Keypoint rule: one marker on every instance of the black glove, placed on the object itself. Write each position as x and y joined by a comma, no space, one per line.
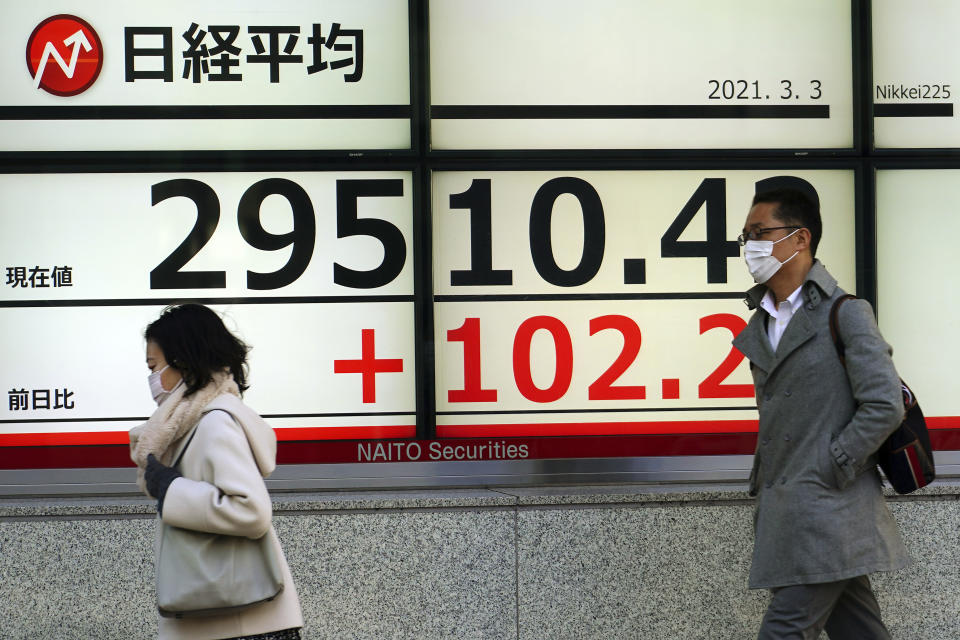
158,477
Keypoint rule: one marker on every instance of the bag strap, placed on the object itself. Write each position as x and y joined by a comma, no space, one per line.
834,326
183,449
909,400
193,432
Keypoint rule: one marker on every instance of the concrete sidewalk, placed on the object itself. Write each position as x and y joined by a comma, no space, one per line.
604,562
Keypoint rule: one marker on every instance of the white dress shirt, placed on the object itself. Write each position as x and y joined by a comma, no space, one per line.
780,318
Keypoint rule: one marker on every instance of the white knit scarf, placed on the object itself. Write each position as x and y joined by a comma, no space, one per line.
172,420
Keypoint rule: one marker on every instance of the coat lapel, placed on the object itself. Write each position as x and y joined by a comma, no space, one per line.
753,341
817,284
754,344
798,332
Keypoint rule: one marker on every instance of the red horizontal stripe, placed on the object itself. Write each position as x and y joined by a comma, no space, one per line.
87,438
68,457
349,451
536,448
945,440
596,428
63,439
379,451
346,433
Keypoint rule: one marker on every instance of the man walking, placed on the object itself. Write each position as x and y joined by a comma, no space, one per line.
821,523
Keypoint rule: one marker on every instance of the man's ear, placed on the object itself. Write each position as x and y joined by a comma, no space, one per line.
803,238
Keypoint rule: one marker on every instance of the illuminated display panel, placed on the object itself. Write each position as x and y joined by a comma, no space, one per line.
627,344
326,300
916,74
562,306
181,76
689,74
916,267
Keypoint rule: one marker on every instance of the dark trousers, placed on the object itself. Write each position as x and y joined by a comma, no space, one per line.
846,610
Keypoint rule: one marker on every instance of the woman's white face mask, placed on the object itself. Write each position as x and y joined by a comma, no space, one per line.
156,386
760,260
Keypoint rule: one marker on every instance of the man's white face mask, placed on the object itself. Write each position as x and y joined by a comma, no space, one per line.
759,257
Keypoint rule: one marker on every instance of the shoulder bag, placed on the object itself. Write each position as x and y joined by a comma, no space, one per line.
906,456
207,574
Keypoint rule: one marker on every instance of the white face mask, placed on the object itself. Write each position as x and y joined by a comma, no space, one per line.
156,386
760,261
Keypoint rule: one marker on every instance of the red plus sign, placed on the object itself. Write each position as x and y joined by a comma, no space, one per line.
368,366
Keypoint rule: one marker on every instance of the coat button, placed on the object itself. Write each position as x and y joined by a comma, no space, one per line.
788,393
769,484
787,437
810,306
768,397
765,441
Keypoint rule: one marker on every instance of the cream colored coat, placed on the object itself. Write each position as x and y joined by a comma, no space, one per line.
222,491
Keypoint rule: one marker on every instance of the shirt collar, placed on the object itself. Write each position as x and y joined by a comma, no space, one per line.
794,299
817,275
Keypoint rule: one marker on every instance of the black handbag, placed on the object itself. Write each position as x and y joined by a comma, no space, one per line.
906,456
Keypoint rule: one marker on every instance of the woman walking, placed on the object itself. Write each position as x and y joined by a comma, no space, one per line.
203,455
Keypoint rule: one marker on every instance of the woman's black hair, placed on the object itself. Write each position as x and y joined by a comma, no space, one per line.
196,343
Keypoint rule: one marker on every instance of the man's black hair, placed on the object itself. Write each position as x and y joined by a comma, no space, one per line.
795,207
196,343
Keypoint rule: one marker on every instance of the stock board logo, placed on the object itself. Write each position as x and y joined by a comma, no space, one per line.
64,55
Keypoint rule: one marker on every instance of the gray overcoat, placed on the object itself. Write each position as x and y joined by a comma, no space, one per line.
820,514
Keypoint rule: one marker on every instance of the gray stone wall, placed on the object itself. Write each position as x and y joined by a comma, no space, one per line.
641,561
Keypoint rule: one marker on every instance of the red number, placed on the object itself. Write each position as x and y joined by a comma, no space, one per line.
521,359
469,334
713,386
602,388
